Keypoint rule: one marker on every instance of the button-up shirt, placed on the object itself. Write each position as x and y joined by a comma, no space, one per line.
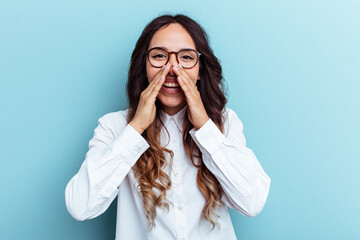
115,148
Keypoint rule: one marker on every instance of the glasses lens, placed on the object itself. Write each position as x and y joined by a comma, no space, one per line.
158,57
187,58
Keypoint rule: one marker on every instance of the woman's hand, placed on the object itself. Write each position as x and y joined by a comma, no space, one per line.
196,112
146,109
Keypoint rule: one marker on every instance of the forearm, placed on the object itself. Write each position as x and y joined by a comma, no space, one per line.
90,192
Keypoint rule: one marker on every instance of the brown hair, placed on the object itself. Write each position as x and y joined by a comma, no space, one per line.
148,168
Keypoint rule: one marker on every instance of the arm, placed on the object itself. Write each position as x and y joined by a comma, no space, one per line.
245,184
109,159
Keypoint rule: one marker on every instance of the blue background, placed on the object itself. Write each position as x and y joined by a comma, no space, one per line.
293,75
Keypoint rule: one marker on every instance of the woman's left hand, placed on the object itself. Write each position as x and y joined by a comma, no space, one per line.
196,112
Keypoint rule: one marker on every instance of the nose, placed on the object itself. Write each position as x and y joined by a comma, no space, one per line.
172,61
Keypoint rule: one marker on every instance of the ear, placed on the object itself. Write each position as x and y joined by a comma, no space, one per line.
198,77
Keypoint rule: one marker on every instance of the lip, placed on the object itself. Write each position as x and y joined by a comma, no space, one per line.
171,79
171,91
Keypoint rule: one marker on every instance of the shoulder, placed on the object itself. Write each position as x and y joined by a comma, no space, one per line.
231,120
116,119
229,115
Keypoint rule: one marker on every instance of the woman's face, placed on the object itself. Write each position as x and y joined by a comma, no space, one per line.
173,37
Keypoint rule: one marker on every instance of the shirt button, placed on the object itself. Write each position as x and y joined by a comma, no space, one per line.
179,208
176,174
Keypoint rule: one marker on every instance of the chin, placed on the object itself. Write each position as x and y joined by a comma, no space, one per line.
177,102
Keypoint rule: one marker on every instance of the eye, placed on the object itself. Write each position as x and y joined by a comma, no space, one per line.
158,56
187,57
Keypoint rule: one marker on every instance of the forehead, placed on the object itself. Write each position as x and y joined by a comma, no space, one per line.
173,37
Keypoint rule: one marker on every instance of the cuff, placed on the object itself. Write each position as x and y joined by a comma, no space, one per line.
135,144
208,137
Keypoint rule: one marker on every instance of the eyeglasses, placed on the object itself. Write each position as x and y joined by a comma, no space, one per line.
159,57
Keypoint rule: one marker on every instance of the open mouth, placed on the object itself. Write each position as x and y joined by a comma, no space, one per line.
171,85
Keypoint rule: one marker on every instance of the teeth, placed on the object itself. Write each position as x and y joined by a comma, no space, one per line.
171,85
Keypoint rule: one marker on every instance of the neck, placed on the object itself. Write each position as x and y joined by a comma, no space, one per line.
172,110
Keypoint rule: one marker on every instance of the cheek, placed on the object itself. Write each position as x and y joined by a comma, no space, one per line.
194,74
150,72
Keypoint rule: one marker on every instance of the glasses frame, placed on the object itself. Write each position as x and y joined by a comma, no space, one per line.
169,54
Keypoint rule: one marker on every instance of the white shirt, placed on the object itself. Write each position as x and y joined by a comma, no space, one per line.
115,148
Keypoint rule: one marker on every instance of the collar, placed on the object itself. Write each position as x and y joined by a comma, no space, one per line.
178,117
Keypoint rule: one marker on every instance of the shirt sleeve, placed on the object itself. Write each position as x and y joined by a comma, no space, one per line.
109,159
245,183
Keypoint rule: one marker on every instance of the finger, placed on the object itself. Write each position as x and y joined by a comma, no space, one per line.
181,72
158,82
185,87
156,78
182,80
163,72
157,88
184,77
166,70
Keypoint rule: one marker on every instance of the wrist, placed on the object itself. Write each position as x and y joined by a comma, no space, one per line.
201,123
136,127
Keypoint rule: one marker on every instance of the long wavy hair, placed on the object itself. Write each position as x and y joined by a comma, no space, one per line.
148,168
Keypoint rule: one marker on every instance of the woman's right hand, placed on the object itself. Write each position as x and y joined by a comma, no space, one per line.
146,109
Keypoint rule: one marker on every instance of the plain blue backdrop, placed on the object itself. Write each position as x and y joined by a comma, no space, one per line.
292,70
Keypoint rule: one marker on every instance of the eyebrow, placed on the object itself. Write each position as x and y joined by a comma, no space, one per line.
168,49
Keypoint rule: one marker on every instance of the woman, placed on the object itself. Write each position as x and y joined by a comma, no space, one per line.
176,148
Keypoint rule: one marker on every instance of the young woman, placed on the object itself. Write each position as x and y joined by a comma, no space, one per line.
177,157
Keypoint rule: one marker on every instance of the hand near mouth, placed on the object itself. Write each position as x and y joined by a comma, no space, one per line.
196,113
146,109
